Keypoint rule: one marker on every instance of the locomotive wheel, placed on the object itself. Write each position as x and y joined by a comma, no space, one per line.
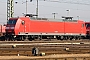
58,37
21,38
66,37
70,37
61,37
79,38
30,39
40,37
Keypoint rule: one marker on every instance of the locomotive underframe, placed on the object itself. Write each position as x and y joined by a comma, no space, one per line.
40,37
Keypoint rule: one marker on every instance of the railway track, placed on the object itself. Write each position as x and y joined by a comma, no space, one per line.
48,48
47,41
54,50
50,57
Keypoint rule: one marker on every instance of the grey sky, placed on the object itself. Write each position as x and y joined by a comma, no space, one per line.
46,8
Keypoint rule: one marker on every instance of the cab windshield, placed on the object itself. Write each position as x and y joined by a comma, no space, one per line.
87,25
12,22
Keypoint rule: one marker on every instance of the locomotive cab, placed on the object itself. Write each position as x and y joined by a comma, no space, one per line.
11,25
88,29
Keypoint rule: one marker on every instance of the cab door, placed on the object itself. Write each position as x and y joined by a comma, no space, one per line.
27,27
83,29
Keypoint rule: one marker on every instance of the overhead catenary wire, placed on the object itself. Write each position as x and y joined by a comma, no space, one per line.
60,1
55,7
21,2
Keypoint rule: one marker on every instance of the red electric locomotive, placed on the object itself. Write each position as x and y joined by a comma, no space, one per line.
30,27
2,32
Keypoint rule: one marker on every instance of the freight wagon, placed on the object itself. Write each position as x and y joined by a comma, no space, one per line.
30,27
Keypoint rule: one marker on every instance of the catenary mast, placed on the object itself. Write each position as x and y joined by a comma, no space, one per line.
10,9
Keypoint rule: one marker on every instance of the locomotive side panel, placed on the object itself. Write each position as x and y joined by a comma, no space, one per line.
75,28
34,27
46,27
